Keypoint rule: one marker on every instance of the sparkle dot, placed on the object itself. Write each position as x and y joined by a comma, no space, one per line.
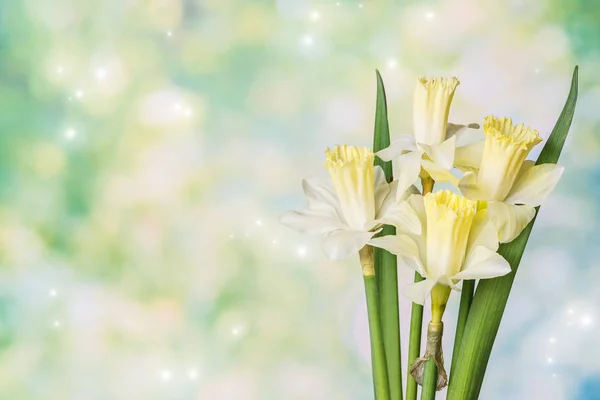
177,107
392,63
52,292
231,236
192,374
169,33
301,251
56,324
536,71
101,74
166,375
315,16
274,241
570,311
307,40
586,321
259,222
79,93
246,234
188,112
550,361
70,134
554,375
360,5
60,69
337,4
237,331
552,340
429,16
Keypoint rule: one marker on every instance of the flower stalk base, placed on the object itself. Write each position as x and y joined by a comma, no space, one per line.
433,351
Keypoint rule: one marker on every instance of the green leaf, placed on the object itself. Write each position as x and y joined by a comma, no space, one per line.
385,263
492,294
381,138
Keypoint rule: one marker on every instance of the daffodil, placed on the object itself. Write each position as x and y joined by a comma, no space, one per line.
352,206
432,145
457,242
500,174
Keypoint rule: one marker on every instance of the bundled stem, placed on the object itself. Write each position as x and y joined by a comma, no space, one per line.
380,373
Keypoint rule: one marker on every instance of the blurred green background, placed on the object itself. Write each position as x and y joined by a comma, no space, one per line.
148,147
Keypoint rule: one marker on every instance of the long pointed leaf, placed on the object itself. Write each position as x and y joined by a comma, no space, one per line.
492,294
385,262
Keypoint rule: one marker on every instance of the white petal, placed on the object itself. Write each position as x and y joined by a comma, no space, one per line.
509,220
382,187
445,280
312,221
468,158
341,244
535,184
389,201
482,233
526,166
402,246
442,154
409,192
440,174
315,222
321,195
401,144
483,263
419,291
469,188
464,133
402,216
418,205
409,167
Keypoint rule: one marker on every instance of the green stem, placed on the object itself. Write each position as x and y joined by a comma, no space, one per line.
387,279
466,298
380,374
429,381
414,346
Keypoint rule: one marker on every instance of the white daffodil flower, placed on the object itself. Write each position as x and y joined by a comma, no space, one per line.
457,242
351,208
500,175
433,143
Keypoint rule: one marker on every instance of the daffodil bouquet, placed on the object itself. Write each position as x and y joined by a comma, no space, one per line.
450,238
